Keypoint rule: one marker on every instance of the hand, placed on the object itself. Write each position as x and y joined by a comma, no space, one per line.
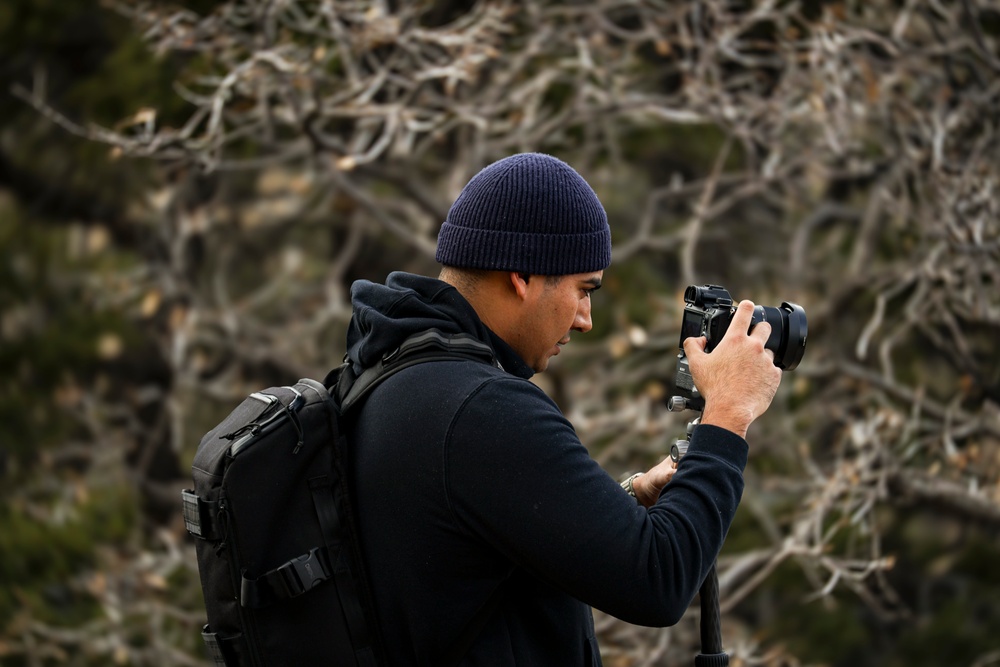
738,379
647,487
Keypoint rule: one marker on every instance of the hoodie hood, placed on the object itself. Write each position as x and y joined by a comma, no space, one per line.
386,315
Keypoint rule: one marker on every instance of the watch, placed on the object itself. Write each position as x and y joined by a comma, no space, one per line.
627,485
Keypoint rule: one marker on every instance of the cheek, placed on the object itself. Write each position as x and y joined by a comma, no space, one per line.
565,315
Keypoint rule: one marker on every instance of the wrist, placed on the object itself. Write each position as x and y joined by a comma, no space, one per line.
630,483
642,489
731,420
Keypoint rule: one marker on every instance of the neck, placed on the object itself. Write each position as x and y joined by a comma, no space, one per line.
488,292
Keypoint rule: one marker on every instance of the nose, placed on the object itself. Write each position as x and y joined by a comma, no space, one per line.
583,323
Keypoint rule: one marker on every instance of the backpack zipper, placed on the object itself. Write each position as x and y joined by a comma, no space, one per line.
247,433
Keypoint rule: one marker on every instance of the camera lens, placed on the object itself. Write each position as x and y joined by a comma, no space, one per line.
788,332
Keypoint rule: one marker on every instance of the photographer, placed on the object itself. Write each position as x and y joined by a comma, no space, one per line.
488,529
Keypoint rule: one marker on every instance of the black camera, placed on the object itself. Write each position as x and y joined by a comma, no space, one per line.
708,310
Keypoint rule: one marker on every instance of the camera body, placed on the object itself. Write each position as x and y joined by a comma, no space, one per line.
708,311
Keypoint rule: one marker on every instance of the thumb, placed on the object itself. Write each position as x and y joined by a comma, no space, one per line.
695,346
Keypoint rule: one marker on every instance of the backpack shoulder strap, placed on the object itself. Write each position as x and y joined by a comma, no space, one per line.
350,389
430,345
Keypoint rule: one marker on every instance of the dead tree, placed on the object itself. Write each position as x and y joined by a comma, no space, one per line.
840,157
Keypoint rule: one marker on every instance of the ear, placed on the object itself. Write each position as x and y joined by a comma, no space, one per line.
519,281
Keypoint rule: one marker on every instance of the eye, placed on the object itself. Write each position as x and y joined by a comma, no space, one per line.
588,287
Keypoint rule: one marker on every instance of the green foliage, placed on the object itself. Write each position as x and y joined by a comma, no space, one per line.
956,633
46,543
629,294
94,63
829,632
688,150
947,583
50,330
58,307
948,579
87,62
978,561
140,81
746,533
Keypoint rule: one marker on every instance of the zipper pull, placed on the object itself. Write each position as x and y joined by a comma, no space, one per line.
292,410
252,427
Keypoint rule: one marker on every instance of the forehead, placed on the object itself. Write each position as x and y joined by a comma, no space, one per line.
593,277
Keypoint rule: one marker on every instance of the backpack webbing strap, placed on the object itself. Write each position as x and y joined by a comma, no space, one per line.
214,649
199,516
431,345
295,577
347,584
224,651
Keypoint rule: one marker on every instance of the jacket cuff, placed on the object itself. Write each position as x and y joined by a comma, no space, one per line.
720,443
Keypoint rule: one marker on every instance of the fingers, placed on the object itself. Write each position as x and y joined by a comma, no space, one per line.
647,487
737,381
742,319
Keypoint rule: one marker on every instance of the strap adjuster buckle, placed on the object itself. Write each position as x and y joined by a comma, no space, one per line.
304,573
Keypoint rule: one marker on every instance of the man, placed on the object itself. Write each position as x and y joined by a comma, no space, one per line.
475,497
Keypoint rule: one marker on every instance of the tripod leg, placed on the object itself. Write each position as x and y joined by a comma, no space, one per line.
711,624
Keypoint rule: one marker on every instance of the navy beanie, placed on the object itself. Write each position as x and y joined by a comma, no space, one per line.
530,213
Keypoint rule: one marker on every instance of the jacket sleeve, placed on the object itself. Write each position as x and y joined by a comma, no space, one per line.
518,476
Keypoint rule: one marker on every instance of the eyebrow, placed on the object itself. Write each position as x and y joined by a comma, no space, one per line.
594,283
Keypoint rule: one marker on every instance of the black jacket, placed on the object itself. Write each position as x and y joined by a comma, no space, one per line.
467,473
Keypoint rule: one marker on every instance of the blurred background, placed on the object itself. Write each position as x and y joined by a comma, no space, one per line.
188,191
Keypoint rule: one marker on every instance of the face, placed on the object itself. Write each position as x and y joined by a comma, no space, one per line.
553,308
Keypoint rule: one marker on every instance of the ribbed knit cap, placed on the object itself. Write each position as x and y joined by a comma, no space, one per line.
530,213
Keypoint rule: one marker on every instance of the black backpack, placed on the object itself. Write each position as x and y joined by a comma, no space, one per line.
280,565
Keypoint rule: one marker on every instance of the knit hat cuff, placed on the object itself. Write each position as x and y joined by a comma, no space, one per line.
534,253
